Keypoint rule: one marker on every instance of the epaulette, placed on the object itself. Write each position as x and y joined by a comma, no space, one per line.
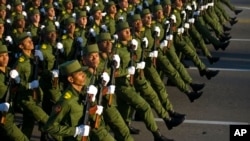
14,31
64,37
44,46
175,11
120,10
63,12
67,95
31,8
94,27
143,29
21,59
118,45
130,5
107,17
153,22
77,29
13,14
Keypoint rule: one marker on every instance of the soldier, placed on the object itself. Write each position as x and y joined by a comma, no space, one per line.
126,93
103,62
109,19
8,79
81,27
122,11
231,6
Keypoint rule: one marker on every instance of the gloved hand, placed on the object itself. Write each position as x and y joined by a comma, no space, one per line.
183,12
169,37
99,110
55,4
55,73
15,75
59,46
29,33
153,54
80,41
88,8
92,31
131,70
163,44
117,59
42,27
82,130
188,7
24,14
180,30
39,54
140,65
93,91
157,30
186,25
8,21
104,14
57,24
8,6
134,43
173,17
191,20
104,27
197,13
115,36
74,15
105,77
33,84
9,39
145,42
121,18
194,5
4,107
42,10
111,89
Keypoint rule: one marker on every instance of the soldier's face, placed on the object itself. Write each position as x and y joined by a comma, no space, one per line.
125,34
137,25
21,23
4,59
35,18
52,37
69,5
92,60
112,9
2,14
27,44
105,46
98,15
51,12
37,3
80,2
123,4
78,78
71,28
1,29
147,19
82,21
159,14
19,8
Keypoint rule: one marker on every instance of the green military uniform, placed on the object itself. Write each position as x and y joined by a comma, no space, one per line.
34,29
109,20
80,31
8,128
111,115
31,110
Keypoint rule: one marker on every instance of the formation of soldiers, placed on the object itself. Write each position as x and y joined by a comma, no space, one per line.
82,68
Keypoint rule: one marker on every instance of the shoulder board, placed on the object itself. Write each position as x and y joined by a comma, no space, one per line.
44,46
14,31
31,8
77,29
119,46
153,22
67,95
120,10
130,5
13,14
64,37
175,11
21,59
143,29
63,12
107,18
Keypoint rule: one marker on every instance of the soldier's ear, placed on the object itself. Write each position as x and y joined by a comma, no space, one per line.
70,79
20,46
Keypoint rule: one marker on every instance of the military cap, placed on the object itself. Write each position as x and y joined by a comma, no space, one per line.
95,8
3,49
81,14
50,28
135,17
18,17
66,1
2,7
48,6
34,11
121,25
145,12
21,37
70,67
110,3
103,36
1,21
90,49
17,2
157,7
70,20
166,2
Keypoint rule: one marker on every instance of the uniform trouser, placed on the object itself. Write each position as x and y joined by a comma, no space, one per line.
32,112
171,72
174,59
185,46
196,37
113,118
148,93
228,4
216,26
223,11
154,78
11,130
200,25
126,97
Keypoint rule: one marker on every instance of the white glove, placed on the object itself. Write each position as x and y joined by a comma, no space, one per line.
88,8
197,13
121,18
15,75
24,14
131,70
57,24
134,42
82,130
163,44
34,84
99,110
211,4
59,46
9,39
140,65
111,89
55,73
42,10
80,41
104,14
4,107
183,12
153,54
42,27
39,54
29,33
173,17
186,25
56,4
91,18
145,41
92,90
104,27
8,21
157,30
180,30
191,20
8,7
115,36
105,77
117,59
188,7
92,31
74,15
169,37
194,5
